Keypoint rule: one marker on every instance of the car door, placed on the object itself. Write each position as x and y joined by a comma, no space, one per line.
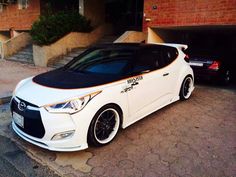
170,68
147,88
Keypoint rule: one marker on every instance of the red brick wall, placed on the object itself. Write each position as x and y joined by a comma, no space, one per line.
12,17
189,12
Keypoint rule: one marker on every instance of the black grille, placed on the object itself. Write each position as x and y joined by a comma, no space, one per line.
32,119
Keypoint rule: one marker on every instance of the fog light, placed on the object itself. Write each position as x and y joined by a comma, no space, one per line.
63,135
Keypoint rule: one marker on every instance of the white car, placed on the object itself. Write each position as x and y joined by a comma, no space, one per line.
106,88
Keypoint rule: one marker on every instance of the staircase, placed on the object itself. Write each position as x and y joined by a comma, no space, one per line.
61,61
25,55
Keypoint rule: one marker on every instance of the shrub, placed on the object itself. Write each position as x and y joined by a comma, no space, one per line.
50,28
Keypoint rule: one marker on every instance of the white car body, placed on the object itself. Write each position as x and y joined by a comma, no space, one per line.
135,101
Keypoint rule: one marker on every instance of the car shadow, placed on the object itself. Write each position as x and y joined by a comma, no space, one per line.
231,86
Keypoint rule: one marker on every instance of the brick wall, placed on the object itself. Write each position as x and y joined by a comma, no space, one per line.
189,12
12,17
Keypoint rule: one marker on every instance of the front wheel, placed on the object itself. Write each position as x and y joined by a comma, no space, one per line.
104,126
186,88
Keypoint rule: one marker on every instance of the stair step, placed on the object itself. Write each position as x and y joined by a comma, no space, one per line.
25,55
24,61
72,55
67,58
61,61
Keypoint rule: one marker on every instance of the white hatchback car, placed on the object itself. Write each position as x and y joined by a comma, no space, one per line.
106,88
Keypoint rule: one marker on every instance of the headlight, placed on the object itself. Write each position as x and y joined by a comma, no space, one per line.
71,106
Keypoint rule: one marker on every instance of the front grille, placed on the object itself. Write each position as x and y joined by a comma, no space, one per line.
33,124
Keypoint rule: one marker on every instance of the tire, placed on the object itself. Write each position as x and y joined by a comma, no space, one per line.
104,126
226,78
186,88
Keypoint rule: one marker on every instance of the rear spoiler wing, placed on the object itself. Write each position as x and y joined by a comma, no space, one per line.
179,46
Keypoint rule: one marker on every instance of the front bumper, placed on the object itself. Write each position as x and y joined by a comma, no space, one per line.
52,146
52,124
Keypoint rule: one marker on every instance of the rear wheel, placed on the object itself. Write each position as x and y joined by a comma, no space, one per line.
186,88
226,78
104,126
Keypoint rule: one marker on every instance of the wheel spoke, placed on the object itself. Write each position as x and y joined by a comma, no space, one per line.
111,117
105,125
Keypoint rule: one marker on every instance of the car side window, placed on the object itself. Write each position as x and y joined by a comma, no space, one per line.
169,54
146,60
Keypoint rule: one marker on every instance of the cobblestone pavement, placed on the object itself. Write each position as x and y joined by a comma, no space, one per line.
194,138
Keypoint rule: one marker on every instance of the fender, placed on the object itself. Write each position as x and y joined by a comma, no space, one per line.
184,72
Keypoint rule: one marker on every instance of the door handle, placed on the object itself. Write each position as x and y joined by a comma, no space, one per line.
166,74
135,83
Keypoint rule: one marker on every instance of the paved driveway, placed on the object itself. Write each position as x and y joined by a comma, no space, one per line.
12,72
192,138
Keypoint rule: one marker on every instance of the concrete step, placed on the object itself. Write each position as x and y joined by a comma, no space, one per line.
62,60
25,55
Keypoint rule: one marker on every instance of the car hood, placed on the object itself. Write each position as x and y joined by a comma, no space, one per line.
42,95
66,79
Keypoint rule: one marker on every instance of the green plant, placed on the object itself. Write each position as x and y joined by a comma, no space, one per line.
50,28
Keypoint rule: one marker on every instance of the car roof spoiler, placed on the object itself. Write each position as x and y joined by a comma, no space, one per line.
179,46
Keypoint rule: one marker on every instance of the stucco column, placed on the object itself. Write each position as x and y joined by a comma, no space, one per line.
81,7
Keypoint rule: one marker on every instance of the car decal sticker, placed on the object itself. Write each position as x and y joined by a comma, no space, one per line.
132,82
134,79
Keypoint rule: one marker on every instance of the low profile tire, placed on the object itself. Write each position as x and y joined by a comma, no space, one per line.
226,78
186,88
104,126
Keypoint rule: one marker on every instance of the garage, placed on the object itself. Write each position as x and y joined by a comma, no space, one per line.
220,40
203,25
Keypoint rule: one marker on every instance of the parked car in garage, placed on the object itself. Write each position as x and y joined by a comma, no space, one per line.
106,88
209,65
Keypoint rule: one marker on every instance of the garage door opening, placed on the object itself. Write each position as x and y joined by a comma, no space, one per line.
217,39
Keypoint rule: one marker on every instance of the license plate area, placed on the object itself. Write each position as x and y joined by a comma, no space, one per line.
18,119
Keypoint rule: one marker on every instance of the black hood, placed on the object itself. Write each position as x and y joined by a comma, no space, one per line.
65,79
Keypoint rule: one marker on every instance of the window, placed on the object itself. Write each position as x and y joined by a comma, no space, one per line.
23,4
169,55
102,61
154,57
146,60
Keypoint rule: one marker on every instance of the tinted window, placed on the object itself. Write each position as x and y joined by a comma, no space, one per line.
108,67
146,60
102,61
169,54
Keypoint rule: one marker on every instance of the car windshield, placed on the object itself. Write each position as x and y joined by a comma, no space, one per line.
102,61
